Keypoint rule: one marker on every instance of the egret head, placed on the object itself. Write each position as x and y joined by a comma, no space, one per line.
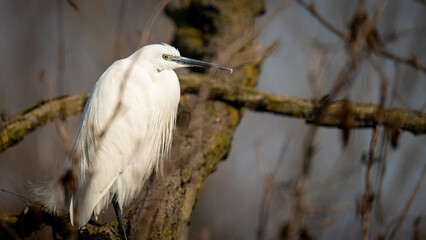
166,57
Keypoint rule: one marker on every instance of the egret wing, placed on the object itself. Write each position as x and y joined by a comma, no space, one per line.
112,129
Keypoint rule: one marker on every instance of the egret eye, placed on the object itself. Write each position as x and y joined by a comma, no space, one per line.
166,57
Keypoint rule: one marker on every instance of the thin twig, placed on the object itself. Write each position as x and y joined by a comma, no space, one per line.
308,155
368,198
408,205
60,127
270,180
16,194
60,67
413,62
379,8
73,5
302,182
314,11
345,79
395,36
249,35
395,93
119,29
147,30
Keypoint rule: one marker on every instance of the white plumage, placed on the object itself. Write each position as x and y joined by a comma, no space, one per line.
125,130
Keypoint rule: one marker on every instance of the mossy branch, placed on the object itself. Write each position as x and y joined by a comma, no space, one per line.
364,115
17,127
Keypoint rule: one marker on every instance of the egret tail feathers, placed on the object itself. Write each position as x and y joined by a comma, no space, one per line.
51,196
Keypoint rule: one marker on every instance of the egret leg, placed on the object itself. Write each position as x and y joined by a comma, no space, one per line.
119,214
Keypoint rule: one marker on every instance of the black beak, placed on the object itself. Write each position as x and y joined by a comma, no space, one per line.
198,63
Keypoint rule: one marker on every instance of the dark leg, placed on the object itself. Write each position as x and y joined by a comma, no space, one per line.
119,214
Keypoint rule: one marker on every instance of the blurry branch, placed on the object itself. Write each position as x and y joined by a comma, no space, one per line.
60,66
147,30
364,115
395,36
295,225
119,29
26,199
271,181
248,36
413,61
408,205
363,35
314,11
379,8
366,203
74,5
60,127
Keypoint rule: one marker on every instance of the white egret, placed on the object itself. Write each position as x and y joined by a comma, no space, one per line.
125,130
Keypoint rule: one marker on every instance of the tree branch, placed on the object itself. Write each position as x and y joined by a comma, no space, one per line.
314,11
17,127
364,115
413,61
29,120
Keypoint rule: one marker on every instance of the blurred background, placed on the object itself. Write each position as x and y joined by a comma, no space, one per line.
74,48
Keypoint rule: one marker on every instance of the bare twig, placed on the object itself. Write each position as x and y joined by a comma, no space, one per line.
379,8
73,5
333,179
345,79
147,30
313,10
395,36
119,29
316,71
60,127
302,182
413,61
249,35
60,68
270,181
26,199
368,197
395,93
408,205
295,224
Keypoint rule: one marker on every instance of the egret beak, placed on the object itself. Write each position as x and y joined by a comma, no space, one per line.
198,63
